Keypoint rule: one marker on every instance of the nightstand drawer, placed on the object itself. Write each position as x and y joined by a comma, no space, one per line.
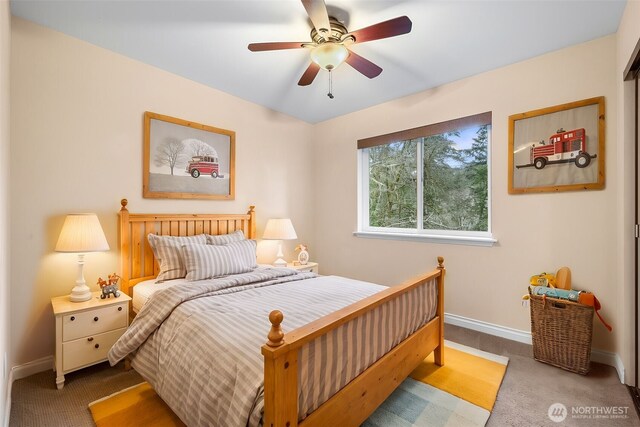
92,322
86,351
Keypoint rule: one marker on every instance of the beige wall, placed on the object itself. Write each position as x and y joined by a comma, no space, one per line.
535,232
76,134
627,37
5,44
77,138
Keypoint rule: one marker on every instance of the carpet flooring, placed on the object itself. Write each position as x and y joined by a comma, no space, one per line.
461,393
528,390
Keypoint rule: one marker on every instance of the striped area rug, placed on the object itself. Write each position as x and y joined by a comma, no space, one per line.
461,393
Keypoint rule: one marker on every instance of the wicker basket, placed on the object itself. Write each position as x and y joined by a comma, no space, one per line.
562,332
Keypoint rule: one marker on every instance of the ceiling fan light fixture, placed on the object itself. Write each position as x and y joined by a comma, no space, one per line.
329,55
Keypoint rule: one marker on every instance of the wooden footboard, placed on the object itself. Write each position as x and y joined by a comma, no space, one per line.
352,404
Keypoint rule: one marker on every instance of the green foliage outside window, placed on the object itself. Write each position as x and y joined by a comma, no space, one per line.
455,190
392,185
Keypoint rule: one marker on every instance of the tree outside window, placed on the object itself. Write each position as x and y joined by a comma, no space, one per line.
437,182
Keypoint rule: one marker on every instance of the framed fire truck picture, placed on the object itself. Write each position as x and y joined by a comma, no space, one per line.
558,148
187,160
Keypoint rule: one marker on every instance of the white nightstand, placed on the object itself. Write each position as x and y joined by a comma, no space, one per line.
309,266
85,331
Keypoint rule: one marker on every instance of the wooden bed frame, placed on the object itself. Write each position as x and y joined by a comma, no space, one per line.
350,406
137,262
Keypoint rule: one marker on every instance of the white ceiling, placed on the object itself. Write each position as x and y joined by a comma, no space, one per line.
206,41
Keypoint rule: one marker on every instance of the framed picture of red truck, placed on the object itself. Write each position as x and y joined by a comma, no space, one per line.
558,148
187,160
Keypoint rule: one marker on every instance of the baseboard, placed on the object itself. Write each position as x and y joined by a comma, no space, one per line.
608,358
600,356
488,328
34,367
23,371
7,402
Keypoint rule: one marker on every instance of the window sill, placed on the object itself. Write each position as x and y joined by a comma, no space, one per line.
429,238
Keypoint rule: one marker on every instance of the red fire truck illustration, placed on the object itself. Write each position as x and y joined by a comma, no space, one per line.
562,147
203,165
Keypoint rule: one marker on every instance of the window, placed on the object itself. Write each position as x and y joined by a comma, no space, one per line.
428,183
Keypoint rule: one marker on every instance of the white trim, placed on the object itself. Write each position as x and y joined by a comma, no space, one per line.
33,367
363,182
23,371
488,328
7,402
430,238
611,359
599,356
489,180
419,186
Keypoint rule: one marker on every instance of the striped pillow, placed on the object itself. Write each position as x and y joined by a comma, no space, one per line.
167,251
209,261
223,239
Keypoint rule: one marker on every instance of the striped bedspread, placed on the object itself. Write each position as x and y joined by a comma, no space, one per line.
198,343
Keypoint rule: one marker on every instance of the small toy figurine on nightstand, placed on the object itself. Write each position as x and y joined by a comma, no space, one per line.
110,287
303,256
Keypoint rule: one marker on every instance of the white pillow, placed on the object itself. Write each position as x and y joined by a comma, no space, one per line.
167,251
223,239
209,261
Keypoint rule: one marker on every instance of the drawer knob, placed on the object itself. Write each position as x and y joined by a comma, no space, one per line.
90,339
73,318
95,319
119,308
97,346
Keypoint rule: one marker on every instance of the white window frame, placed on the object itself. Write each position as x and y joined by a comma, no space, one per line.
472,238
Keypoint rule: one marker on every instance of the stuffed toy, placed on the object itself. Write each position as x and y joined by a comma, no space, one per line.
543,279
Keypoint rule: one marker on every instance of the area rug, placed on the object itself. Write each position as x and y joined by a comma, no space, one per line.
138,405
461,393
470,374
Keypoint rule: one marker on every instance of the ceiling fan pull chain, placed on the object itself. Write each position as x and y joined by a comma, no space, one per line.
330,94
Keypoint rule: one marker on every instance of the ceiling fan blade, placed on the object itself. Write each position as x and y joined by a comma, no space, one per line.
317,11
258,47
382,30
363,65
309,74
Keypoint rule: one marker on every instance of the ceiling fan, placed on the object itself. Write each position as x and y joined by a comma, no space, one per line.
331,39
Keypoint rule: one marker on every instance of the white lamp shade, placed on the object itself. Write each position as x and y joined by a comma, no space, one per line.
329,55
82,233
279,229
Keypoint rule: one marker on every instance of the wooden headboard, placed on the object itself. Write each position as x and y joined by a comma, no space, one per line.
137,262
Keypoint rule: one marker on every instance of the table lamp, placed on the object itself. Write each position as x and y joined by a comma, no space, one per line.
279,229
81,233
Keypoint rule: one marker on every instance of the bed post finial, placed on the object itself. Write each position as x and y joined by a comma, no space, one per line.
440,262
276,336
252,223
124,203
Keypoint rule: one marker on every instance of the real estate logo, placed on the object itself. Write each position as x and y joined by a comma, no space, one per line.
557,412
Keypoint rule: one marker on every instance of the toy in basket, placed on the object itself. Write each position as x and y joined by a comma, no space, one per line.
562,322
